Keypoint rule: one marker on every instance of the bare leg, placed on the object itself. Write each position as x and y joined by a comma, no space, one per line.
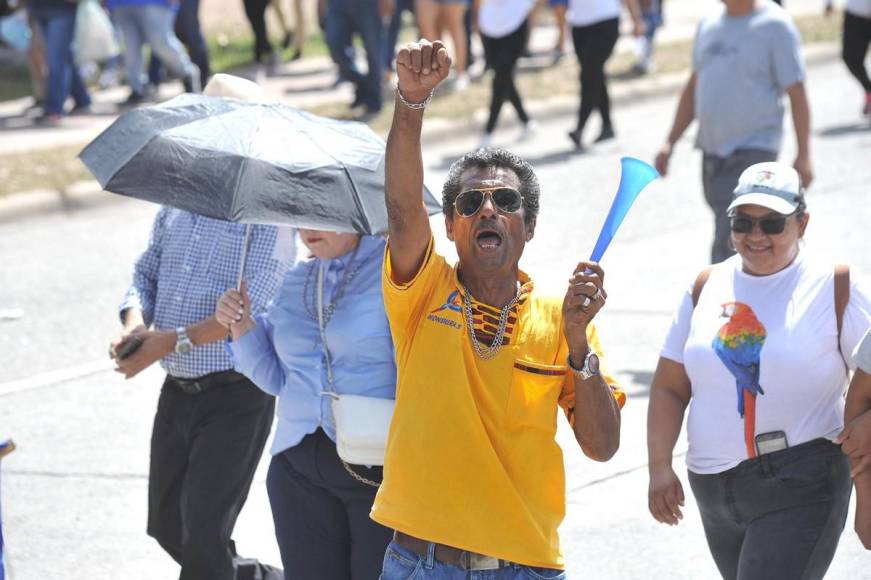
454,14
427,12
560,13
299,22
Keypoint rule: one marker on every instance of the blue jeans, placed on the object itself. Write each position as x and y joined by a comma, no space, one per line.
187,26
778,516
57,24
392,33
402,564
344,18
150,24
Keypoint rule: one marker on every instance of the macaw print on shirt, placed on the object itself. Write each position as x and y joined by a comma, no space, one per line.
739,344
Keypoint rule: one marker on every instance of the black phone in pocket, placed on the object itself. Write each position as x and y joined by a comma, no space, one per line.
770,442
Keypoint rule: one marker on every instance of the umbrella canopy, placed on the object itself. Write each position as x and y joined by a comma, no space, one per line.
247,162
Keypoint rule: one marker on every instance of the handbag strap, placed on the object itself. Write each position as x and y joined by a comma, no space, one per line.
842,298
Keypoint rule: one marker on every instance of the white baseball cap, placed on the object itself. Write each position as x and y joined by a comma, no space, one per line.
771,184
224,85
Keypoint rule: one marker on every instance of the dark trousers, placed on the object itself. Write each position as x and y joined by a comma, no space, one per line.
719,178
503,54
57,25
321,514
255,10
344,19
857,37
204,450
778,516
391,35
189,32
593,47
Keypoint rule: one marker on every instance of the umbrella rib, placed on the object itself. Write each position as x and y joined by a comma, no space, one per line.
358,200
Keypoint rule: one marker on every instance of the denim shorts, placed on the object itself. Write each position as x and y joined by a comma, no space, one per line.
403,564
778,516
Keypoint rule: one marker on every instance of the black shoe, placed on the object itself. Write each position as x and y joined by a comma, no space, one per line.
575,136
606,134
134,99
296,55
288,39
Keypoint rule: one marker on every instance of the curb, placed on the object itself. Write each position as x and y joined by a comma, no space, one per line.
84,194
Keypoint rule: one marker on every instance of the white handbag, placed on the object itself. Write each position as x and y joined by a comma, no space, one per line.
361,422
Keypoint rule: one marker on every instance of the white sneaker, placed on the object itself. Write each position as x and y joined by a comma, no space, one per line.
530,128
461,83
486,139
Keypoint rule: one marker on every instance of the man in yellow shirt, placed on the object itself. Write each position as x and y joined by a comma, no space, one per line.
473,476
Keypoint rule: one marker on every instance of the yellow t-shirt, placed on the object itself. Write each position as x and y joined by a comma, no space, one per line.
472,461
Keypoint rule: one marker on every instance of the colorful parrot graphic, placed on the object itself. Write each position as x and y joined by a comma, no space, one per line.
739,345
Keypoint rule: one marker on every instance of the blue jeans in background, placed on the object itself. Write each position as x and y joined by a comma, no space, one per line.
778,516
344,19
392,34
58,23
189,32
150,24
401,564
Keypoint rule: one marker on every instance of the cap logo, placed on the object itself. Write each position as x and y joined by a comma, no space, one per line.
764,177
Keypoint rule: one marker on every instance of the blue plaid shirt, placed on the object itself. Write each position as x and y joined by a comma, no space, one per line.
190,262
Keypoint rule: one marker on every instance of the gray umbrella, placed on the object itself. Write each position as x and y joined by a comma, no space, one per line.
247,162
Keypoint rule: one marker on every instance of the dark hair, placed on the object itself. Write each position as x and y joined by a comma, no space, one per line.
493,157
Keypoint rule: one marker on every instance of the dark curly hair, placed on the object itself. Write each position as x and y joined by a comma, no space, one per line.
493,157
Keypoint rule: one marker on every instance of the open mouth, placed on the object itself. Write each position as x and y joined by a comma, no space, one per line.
757,248
488,240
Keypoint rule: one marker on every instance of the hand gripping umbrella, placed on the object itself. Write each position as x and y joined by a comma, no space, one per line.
247,162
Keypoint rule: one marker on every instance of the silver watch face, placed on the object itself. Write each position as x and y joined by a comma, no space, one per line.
183,347
593,363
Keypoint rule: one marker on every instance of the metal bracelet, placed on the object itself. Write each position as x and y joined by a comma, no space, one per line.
414,106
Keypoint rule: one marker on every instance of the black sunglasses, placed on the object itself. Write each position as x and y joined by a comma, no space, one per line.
506,200
742,224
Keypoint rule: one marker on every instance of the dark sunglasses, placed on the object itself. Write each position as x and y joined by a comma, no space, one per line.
506,200
742,224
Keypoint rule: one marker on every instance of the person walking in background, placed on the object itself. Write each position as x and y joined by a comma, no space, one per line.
760,345
504,26
211,423
391,35
57,21
745,58
855,439
345,18
295,35
595,29
855,40
151,22
320,503
559,7
189,32
433,17
651,13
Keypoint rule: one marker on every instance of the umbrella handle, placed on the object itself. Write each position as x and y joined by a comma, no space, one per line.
244,257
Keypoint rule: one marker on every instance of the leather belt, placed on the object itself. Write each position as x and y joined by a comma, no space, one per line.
450,555
201,384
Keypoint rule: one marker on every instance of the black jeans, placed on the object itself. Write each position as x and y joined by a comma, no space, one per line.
204,450
321,514
778,516
857,37
593,46
502,54
255,10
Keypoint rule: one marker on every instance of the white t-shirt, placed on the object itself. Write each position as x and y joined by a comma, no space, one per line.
498,18
586,12
778,332
862,354
859,8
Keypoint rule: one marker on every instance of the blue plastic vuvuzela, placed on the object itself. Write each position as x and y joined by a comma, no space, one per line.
635,175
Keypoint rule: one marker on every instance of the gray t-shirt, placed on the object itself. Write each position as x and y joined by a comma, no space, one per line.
743,66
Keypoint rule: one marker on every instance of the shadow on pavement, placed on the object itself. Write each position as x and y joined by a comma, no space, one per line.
841,130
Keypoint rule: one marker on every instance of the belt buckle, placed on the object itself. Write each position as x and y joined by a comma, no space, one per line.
191,388
481,562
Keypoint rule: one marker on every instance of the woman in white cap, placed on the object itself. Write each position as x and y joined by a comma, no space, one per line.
761,344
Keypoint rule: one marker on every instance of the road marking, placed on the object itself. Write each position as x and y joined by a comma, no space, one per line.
56,377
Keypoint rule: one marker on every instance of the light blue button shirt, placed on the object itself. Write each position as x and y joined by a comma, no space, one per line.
284,355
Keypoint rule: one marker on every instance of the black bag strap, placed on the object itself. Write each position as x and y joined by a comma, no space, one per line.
842,298
699,284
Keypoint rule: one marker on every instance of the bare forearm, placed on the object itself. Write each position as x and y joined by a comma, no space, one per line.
801,118
686,112
206,330
133,318
597,418
664,419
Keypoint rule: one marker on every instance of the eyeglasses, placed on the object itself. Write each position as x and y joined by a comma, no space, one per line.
742,224
506,200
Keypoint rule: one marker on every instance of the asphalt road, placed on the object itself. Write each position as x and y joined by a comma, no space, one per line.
74,493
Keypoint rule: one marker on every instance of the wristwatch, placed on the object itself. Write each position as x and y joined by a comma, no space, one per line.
183,344
590,368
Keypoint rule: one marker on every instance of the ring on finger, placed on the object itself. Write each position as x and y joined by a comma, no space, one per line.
586,301
598,295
